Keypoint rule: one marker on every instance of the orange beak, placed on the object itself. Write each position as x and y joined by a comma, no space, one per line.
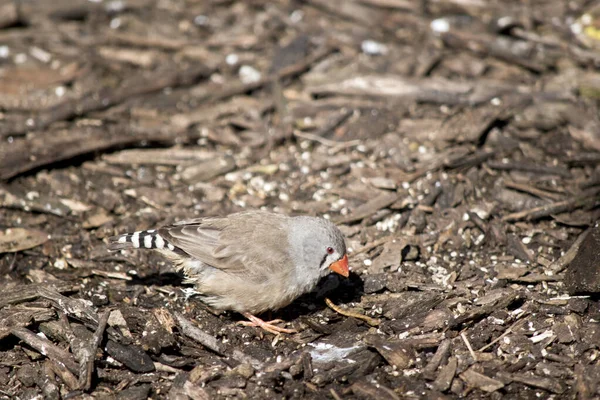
341,267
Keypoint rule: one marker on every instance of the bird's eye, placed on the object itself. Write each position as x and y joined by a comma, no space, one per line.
330,250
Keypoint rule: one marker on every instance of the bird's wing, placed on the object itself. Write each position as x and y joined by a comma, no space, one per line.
248,243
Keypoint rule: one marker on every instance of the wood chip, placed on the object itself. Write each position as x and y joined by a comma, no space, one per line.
446,375
22,316
475,379
18,239
396,352
22,293
208,170
370,391
369,208
549,384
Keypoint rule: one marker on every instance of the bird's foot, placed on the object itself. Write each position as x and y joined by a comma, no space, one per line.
266,325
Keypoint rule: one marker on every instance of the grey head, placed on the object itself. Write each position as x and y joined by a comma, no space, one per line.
317,247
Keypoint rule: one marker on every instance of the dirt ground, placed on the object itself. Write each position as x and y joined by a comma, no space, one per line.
456,144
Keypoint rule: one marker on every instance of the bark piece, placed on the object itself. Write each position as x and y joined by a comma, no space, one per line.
583,273
17,239
481,381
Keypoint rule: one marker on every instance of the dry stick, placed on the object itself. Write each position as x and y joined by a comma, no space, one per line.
393,4
549,384
534,191
368,320
584,200
372,245
468,344
334,394
538,169
192,331
80,351
86,364
210,342
47,348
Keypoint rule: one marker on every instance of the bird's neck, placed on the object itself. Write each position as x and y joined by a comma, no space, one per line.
306,263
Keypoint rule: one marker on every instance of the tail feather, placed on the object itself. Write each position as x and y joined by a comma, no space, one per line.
150,239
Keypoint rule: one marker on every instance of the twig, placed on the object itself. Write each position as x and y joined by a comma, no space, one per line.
334,394
532,190
537,169
193,332
468,344
368,320
12,263
47,348
86,363
584,200
372,245
325,142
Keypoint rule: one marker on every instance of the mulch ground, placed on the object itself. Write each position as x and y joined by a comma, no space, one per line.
456,144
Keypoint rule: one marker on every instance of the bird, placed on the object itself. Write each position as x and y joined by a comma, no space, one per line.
249,261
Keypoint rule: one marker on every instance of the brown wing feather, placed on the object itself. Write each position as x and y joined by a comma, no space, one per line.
251,243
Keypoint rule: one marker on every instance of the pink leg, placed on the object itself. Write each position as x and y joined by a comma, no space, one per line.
267,326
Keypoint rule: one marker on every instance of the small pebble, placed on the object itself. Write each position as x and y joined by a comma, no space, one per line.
249,74
373,48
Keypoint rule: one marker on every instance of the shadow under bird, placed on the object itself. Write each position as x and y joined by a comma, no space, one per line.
248,262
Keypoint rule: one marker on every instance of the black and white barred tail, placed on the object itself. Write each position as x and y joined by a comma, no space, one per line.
150,239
